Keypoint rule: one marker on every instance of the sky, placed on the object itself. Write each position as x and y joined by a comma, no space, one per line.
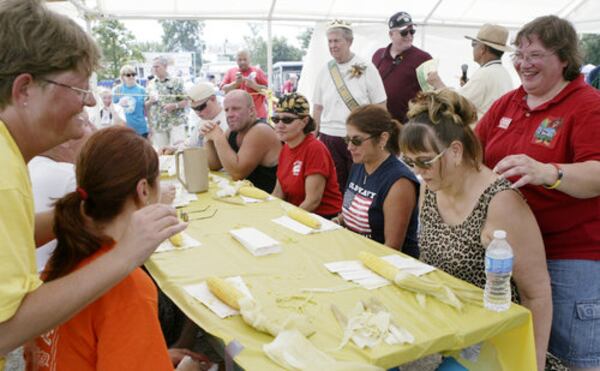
216,32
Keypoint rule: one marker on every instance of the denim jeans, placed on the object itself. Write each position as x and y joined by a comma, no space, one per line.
575,337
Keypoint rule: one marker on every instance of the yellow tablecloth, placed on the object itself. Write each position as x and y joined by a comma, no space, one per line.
276,282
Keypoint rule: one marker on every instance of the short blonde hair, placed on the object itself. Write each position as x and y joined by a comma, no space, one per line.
126,69
38,41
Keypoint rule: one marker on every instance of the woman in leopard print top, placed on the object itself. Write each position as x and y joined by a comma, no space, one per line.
465,202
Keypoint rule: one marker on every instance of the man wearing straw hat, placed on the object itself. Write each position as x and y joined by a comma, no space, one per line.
492,80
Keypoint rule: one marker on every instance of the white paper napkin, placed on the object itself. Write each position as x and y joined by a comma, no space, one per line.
182,196
326,225
255,241
202,293
355,271
187,243
250,200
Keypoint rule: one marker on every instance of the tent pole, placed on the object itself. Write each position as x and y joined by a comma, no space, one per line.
270,44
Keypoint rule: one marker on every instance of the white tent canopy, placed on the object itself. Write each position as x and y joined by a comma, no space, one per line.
441,23
585,14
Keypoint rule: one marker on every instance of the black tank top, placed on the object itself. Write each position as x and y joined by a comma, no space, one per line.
262,177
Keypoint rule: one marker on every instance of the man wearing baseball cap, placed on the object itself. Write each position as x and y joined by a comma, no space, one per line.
205,107
397,64
492,80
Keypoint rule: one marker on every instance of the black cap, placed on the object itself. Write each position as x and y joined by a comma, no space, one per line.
400,20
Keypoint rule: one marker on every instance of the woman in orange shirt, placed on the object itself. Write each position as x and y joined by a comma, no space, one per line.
117,174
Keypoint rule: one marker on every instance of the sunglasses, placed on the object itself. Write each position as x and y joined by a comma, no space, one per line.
200,107
405,33
130,74
422,163
357,141
286,120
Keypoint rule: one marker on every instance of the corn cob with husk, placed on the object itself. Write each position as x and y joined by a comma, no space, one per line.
421,285
302,216
226,292
252,312
253,192
176,239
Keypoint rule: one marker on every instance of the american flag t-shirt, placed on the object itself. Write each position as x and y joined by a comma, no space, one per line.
355,209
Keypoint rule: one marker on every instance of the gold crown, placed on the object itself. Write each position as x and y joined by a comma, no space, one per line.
339,23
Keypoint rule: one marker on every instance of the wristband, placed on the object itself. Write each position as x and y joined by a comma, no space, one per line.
558,178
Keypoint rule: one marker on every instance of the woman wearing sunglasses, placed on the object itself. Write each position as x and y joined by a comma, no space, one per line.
306,175
130,96
380,201
464,202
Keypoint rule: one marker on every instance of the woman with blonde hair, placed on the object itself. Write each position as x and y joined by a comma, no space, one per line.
464,202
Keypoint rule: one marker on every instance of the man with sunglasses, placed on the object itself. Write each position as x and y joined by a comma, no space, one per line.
397,64
205,107
492,80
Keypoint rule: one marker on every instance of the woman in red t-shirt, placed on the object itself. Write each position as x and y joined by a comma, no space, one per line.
117,175
306,174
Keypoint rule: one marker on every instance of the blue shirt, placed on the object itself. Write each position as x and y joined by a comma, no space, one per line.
133,105
362,207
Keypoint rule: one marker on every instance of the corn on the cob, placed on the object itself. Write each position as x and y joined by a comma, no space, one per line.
253,192
176,240
226,292
378,265
303,217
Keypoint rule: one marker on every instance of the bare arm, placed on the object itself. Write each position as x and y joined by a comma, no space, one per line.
213,159
508,211
314,186
254,85
317,110
258,141
55,302
397,209
44,224
580,180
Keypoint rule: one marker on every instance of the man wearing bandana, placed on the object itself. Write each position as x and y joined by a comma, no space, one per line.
397,64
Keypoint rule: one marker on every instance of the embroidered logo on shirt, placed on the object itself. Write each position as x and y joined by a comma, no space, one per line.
546,132
296,167
504,122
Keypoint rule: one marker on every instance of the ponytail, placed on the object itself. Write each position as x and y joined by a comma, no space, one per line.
75,240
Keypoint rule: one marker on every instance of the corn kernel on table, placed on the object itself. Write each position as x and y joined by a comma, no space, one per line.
276,282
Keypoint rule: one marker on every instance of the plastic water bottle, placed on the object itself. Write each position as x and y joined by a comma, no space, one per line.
498,269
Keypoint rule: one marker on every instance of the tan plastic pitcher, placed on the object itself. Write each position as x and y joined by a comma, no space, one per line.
195,169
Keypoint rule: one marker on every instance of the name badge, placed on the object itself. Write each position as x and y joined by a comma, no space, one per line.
504,122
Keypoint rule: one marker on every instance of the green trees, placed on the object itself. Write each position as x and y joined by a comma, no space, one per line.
118,47
184,36
590,43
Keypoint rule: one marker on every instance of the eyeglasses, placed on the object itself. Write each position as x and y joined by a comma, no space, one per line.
535,57
130,74
84,94
286,120
474,43
405,33
200,107
357,141
422,164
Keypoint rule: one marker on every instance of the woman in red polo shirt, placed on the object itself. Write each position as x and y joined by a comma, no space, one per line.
306,174
545,138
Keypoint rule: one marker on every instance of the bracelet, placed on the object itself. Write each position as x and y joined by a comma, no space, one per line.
558,178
